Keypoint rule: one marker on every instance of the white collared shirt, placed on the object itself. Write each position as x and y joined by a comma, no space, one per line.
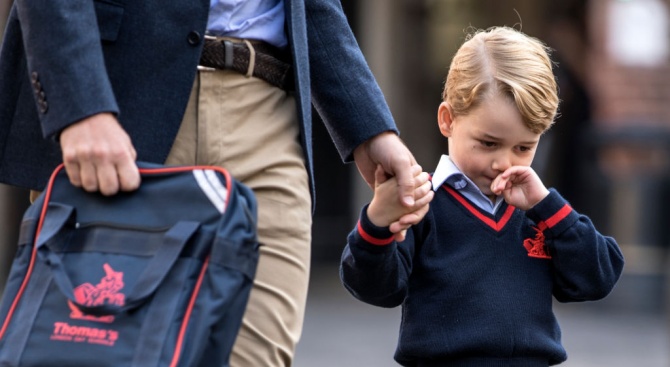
261,20
447,171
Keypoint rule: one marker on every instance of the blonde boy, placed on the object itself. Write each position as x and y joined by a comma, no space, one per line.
476,277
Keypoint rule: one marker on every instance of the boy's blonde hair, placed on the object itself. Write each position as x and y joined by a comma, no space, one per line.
506,62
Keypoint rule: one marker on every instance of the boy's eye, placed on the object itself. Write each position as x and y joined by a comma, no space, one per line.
525,149
488,144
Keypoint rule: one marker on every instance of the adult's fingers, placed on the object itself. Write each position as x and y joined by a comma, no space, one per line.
403,171
108,178
88,175
129,175
99,156
400,236
73,171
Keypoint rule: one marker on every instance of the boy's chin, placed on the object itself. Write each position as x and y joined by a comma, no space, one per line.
488,193
486,190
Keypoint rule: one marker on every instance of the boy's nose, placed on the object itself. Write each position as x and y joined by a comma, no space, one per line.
501,162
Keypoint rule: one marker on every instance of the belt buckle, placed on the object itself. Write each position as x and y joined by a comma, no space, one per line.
207,68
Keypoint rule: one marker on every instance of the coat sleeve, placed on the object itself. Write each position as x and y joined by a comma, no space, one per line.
345,93
374,268
586,263
62,42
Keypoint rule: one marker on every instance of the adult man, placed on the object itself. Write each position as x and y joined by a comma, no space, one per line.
101,84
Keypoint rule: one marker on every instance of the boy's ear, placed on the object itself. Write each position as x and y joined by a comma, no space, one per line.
445,119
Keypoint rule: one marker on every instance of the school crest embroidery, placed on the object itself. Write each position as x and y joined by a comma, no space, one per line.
105,292
536,246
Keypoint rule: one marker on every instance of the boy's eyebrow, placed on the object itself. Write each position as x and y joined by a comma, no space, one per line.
488,136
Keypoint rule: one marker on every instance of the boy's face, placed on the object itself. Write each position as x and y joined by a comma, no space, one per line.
488,140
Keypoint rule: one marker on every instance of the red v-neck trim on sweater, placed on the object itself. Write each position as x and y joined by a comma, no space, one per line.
497,226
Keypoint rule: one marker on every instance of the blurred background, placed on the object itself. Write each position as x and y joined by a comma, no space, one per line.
608,154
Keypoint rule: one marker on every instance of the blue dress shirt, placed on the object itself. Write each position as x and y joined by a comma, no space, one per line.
261,20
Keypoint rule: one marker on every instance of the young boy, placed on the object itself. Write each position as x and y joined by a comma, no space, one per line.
476,276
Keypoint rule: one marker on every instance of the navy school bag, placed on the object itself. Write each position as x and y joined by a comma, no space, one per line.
156,277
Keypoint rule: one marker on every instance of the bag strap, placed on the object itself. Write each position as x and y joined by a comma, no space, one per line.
153,275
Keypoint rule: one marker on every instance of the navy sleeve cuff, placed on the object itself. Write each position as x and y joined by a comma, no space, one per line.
371,233
553,213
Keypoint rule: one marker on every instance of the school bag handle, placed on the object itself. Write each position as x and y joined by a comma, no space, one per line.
152,276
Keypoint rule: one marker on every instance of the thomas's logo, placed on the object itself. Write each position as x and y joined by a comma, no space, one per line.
82,334
105,292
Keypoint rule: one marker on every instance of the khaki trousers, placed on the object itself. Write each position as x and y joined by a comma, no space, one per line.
250,128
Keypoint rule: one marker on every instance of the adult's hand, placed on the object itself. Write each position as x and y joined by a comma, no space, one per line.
99,156
387,150
397,161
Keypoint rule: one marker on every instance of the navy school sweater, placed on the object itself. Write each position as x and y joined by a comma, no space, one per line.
476,289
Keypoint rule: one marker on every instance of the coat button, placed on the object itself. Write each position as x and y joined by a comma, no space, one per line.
194,38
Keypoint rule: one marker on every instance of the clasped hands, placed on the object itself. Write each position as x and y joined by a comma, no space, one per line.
98,155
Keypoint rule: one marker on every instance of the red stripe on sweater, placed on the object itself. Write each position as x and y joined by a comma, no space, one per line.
559,216
373,240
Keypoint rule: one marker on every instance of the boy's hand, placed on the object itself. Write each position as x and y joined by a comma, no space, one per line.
386,210
520,187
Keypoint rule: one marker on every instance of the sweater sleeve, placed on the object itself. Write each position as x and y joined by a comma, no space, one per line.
586,263
374,267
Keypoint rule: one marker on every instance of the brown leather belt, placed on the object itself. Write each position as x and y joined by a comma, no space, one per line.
270,63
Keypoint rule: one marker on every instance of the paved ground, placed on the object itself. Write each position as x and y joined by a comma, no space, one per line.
342,332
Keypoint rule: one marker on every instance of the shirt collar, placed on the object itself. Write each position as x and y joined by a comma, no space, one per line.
447,171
